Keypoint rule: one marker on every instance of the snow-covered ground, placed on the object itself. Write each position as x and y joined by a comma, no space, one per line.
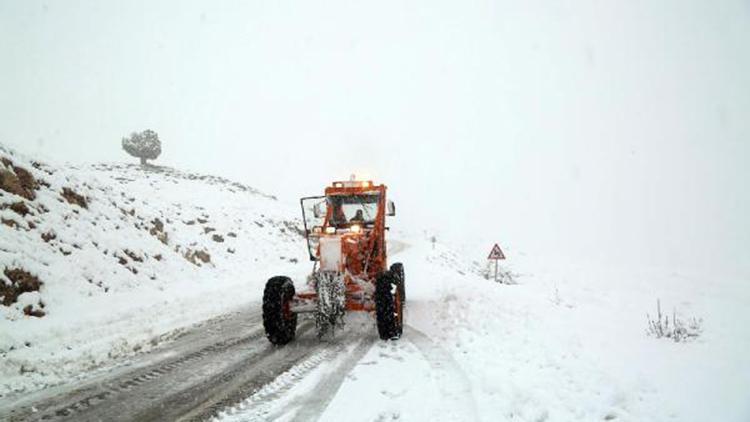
566,341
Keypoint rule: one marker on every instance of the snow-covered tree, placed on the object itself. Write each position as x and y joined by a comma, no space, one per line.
145,145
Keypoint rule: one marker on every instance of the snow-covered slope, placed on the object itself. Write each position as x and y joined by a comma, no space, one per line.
100,261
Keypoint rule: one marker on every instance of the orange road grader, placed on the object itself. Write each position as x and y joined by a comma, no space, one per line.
345,231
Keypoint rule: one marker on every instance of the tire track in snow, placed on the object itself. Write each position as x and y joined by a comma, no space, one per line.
313,406
251,372
339,358
453,382
92,399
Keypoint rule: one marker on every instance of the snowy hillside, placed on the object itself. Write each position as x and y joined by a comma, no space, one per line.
93,255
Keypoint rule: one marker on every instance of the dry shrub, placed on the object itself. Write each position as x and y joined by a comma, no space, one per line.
17,180
27,180
678,330
9,182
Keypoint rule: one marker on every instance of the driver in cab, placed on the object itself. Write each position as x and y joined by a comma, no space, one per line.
358,217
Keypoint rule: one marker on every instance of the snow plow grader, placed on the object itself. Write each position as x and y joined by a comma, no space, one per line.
345,231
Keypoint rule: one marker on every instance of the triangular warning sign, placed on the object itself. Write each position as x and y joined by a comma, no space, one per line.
496,253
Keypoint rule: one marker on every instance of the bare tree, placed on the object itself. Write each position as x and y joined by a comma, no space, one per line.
145,145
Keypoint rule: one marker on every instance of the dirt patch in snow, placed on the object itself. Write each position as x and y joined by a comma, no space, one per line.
19,208
294,228
196,257
21,281
157,230
74,198
10,223
133,255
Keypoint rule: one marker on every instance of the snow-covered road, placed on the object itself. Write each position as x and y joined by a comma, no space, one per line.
225,368
214,365
361,378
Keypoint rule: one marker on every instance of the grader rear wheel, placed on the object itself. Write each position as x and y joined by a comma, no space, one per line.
398,271
388,307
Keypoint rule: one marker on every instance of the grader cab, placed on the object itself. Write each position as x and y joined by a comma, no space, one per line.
345,231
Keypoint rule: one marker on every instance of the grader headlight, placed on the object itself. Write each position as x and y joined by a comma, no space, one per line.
355,228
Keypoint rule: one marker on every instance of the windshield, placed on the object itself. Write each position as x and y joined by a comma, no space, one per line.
360,209
345,210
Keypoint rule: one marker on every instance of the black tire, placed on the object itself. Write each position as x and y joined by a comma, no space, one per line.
278,320
388,307
398,271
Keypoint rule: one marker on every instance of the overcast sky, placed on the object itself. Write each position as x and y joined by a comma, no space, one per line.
609,129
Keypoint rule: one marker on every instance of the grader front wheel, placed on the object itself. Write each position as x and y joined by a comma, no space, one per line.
279,321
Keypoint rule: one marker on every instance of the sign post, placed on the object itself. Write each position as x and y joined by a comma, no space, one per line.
496,254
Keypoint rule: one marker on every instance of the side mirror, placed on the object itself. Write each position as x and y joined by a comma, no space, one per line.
391,209
319,210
